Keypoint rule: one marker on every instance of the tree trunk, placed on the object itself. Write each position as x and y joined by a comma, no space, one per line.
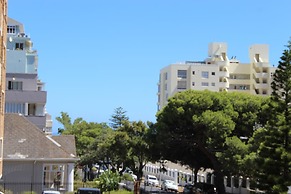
219,184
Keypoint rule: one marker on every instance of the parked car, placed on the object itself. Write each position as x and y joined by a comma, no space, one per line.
205,188
134,177
169,185
88,191
151,180
188,188
50,192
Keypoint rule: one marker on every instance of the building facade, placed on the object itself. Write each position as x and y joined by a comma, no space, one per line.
25,92
218,73
3,33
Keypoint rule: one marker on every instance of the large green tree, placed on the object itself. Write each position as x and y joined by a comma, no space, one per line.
138,145
194,126
274,152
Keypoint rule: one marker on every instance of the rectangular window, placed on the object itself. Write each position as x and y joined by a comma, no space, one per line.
213,73
166,86
19,46
14,107
14,85
181,85
213,84
11,29
31,109
204,84
205,74
193,72
166,76
182,74
193,83
54,176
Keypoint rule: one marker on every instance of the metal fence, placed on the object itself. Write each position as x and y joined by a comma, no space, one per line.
20,187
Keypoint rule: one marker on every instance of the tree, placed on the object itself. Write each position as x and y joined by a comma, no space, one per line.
274,152
194,126
118,117
86,135
138,141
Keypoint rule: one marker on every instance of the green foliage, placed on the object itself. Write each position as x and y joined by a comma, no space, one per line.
87,135
234,157
118,117
127,177
197,128
138,145
108,181
274,150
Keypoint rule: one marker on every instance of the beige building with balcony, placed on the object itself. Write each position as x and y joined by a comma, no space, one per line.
218,73
3,33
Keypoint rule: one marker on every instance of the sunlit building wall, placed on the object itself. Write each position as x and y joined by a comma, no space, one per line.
25,92
218,73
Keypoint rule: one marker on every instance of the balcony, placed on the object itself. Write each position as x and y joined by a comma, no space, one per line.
25,96
223,85
39,121
261,64
223,74
223,63
261,75
261,86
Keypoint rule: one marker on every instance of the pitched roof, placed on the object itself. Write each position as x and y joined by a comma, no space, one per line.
25,141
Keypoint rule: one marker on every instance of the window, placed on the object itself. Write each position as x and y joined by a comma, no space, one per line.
166,76
14,85
213,84
54,175
213,73
182,74
11,29
193,83
14,108
19,46
166,86
205,74
31,109
204,84
182,85
193,72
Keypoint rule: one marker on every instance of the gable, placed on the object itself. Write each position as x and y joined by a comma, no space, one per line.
23,140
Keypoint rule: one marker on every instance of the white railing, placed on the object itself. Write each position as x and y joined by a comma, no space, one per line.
181,177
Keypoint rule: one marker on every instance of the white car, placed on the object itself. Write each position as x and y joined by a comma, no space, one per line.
50,192
151,180
169,185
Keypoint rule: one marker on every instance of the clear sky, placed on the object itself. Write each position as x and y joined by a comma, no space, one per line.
97,55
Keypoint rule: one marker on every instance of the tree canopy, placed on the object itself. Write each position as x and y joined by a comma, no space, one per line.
199,123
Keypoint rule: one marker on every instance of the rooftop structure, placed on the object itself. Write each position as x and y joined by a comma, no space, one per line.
218,73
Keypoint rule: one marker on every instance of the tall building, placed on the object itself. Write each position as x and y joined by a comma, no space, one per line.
25,92
218,73
3,27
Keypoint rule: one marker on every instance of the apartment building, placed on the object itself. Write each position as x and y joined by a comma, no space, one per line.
25,92
3,33
218,73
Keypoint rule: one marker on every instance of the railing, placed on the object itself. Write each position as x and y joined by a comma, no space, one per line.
235,185
20,187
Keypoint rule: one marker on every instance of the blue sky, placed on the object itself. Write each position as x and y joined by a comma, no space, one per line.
97,55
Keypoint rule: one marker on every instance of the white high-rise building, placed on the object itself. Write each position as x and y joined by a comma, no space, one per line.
218,73
25,93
